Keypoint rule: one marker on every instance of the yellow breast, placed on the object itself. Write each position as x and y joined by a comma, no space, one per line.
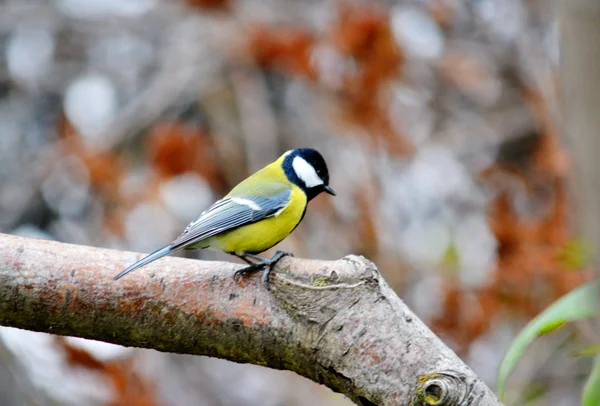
262,235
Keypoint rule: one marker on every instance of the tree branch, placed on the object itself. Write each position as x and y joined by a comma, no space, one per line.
337,323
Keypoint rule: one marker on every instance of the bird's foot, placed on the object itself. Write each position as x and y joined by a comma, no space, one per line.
282,254
263,263
248,270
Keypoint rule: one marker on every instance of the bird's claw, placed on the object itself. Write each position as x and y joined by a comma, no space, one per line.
282,254
267,265
249,269
265,276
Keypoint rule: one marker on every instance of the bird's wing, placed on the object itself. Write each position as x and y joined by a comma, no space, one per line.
229,213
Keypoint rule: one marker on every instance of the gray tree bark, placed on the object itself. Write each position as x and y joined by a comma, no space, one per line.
337,323
580,58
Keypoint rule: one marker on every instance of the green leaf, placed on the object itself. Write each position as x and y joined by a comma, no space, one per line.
551,326
451,259
591,390
580,303
588,350
576,254
533,392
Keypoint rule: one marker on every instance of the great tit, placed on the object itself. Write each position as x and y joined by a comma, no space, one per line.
257,214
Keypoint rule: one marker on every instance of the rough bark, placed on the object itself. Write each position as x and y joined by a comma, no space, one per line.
337,323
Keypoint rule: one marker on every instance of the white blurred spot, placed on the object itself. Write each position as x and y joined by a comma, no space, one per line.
420,206
476,248
417,33
505,18
433,176
331,66
425,242
91,105
134,182
99,9
29,55
186,196
426,297
552,42
66,189
410,114
71,230
350,162
127,55
46,366
31,231
472,71
148,226
100,350
486,352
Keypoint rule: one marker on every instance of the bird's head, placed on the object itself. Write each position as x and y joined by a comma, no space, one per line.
306,168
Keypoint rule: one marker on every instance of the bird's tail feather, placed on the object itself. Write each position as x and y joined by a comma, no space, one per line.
146,260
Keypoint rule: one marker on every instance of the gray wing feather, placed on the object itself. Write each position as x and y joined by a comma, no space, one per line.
227,214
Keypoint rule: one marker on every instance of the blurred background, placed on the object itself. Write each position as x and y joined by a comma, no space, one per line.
440,120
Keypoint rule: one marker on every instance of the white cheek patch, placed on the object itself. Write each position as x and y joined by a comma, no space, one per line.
246,202
306,172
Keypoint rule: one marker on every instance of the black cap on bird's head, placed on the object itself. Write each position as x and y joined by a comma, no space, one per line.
306,168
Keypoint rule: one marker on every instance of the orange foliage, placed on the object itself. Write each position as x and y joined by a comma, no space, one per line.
364,33
78,357
464,71
210,4
175,148
530,271
361,33
367,227
441,11
549,156
465,316
286,48
129,388
105,168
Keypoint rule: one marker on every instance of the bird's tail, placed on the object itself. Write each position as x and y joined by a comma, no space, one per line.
146,260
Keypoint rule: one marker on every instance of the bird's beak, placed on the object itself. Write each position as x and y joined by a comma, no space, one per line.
330,190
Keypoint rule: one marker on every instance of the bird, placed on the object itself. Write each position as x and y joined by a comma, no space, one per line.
255,215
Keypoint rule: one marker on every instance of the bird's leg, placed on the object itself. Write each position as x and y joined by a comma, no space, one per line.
254,266
278,255
243,257
263,263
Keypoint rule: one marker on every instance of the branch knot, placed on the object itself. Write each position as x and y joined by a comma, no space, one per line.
448,388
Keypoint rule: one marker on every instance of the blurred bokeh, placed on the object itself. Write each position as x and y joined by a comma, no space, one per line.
120,121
